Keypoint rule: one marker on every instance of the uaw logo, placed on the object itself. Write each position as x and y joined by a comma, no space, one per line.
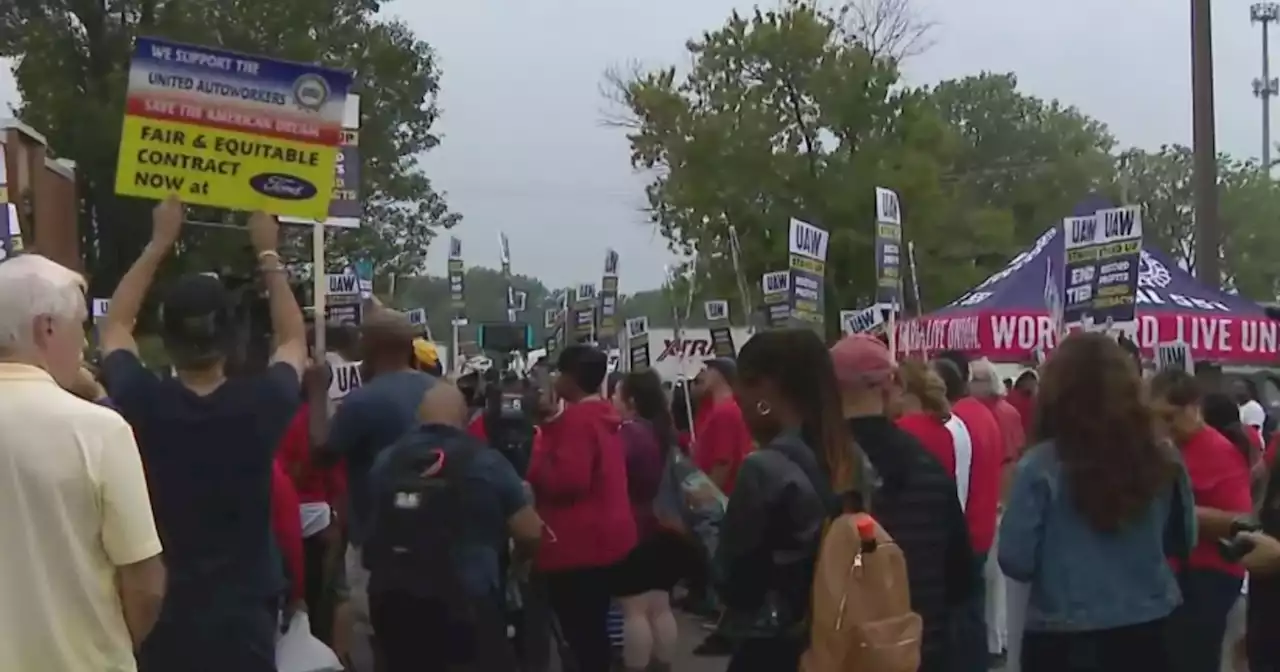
1152,273
310,91
716,310
637,326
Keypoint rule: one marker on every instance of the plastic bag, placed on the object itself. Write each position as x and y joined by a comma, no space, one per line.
298,651
689,502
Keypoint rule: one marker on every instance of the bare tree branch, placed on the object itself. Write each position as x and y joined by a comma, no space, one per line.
886,28
615,89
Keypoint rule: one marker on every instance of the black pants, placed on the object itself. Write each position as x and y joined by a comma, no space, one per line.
533,634
418,635
1197,627
767,655
1134,647
208,637
319,585
969,624
580,600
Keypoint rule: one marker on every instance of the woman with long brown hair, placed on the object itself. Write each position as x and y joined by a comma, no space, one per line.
784,493
1097,504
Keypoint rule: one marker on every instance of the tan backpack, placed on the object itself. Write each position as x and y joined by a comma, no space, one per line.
861,619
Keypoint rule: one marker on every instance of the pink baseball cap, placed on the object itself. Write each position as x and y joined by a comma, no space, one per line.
862,360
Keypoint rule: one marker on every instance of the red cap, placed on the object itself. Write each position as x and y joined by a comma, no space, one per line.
866,526
862,360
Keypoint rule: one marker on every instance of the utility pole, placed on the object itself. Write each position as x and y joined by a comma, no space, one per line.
1204,150
1265,87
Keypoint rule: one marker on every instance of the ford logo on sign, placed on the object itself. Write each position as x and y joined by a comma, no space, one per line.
286,187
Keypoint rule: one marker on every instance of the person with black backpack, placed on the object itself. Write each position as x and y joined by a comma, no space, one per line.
445,506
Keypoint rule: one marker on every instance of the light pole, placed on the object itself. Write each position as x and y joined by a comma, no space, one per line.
1266,86
1204,151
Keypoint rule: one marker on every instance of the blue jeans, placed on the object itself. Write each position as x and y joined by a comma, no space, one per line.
1198,625
969,624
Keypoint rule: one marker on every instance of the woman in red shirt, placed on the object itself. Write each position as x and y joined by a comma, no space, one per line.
925,411
321,551
1220,484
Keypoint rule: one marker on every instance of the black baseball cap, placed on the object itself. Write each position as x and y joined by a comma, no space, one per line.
197,320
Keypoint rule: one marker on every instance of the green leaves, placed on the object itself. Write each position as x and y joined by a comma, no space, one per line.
779,116
72,66
1248,207
799,112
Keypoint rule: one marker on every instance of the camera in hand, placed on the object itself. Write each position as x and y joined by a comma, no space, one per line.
1234,547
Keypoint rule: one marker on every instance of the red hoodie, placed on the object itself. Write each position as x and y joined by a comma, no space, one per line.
286,524
579,478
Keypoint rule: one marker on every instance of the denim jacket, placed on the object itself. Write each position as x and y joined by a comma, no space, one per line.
1082,579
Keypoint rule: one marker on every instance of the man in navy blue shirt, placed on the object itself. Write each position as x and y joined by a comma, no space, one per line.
495,511
208,442
368,420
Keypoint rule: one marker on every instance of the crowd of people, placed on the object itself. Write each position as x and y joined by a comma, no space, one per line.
1086,517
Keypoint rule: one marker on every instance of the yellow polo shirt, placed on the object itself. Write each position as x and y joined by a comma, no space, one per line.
73,507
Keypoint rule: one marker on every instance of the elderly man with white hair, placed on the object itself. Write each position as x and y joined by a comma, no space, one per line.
81,575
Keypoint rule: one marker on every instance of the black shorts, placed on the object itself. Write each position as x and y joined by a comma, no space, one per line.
654,564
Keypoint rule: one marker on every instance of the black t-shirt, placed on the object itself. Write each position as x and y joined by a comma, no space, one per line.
208,461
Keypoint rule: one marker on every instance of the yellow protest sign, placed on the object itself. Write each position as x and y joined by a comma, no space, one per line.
228,130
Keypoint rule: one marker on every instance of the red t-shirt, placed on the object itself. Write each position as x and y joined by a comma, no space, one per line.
1010,422
985,469
476,428
313,484
1255,440
1025,405
286,525
933,435
721,438
1219,480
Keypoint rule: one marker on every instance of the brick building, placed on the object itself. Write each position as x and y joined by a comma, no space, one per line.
43,189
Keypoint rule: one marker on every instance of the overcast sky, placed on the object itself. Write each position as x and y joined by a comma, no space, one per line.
524,150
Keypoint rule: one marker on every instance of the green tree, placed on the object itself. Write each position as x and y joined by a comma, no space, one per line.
486,293
71,68
1033,158
486,302
786,114
1160,182
1249,205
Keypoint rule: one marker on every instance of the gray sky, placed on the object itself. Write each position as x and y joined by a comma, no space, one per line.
524,150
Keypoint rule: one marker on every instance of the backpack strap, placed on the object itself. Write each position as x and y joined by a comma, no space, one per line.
962,443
